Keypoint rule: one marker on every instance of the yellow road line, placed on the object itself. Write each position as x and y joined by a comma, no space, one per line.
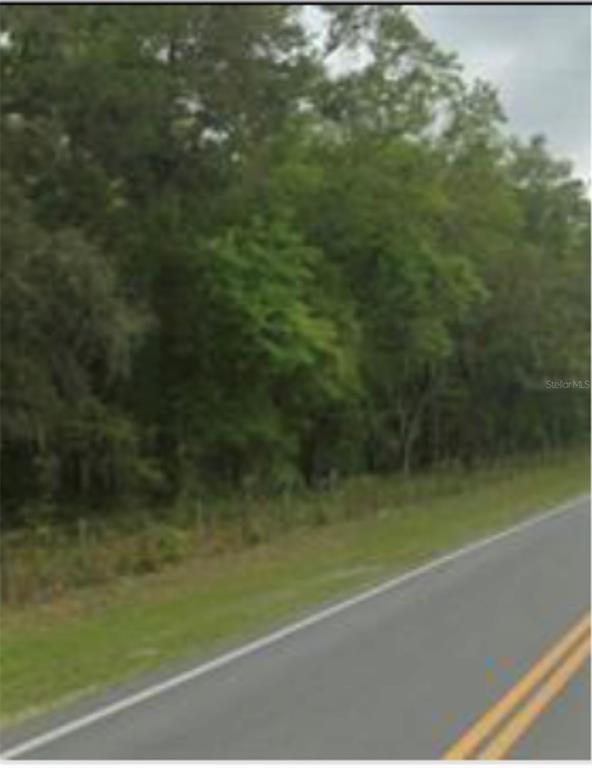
521,722
484,727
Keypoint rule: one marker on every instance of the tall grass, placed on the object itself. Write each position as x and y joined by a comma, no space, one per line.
45,561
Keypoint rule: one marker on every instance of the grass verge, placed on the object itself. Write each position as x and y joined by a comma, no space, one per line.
96,636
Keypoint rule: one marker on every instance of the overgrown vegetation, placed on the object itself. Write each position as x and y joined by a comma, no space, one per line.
233,264
46,563
357,535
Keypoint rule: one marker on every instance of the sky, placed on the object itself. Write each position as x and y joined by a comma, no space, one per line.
538,58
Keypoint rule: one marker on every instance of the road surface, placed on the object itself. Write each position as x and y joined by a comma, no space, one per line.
413,671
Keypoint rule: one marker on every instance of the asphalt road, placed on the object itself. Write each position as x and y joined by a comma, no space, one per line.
401,675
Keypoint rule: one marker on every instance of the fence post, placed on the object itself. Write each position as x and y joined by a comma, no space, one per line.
4,581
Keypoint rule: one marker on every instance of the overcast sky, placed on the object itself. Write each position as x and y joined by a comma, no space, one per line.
537,56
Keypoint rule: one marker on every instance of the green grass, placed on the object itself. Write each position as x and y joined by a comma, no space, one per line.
366,531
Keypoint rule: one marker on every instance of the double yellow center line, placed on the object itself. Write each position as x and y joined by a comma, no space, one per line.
496,732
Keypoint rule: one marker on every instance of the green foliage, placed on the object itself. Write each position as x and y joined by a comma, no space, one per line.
229,264
66,341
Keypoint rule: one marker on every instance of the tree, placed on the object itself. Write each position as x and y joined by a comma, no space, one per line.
239,255
66,344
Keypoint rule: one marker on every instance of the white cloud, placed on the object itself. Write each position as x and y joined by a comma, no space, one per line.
537,56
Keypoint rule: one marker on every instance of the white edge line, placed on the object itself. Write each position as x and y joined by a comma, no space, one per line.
274,637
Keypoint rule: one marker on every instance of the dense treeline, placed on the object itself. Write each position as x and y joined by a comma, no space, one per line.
248,247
